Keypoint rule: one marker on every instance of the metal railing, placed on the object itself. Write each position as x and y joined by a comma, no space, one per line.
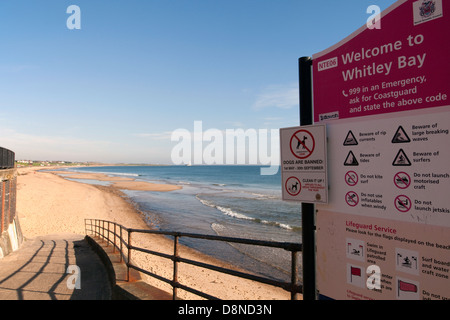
7,159
121,239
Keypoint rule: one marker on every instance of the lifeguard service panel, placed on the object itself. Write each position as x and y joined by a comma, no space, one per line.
384,97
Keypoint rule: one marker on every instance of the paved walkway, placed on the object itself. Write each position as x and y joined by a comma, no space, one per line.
38,271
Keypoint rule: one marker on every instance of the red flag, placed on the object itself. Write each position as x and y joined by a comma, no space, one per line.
406,286
355,271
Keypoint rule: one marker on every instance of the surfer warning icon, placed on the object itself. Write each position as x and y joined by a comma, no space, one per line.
400,136
351,160
350,140
401,159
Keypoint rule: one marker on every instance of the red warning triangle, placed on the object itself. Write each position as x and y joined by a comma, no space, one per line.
401,159
400,136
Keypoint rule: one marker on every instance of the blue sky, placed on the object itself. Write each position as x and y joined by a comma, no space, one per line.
137,70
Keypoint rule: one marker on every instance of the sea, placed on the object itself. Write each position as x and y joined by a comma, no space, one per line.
228,200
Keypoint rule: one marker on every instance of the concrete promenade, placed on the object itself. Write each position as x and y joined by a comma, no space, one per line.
38,270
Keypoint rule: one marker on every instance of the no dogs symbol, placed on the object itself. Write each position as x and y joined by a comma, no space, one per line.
302,144
293,186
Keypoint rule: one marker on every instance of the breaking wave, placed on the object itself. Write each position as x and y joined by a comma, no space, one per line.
229,212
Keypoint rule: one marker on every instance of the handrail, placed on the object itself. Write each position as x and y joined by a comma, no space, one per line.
7,158
113,233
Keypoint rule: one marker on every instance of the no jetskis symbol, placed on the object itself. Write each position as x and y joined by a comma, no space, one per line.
302,144
402,203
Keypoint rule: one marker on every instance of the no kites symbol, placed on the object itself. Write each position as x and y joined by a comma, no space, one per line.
302,144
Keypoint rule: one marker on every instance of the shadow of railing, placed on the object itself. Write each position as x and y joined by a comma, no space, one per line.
39,271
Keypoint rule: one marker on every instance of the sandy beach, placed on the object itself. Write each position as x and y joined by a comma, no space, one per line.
49,204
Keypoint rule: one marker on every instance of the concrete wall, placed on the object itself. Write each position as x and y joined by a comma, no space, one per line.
11,236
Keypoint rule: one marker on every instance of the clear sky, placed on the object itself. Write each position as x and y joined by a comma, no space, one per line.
137,70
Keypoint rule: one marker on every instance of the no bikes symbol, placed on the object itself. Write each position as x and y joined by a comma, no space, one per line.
302,144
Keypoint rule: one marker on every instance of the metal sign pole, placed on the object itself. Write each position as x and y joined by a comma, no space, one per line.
308,209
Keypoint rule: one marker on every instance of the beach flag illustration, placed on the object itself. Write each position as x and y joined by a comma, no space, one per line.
354,271
406,286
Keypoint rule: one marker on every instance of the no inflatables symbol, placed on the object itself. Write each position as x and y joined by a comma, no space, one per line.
302,144
351,198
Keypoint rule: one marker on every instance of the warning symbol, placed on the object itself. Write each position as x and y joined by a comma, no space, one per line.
351,178
351,160
403,203
402,180
293,186
350,140
400,136
302,144
401,159
351,198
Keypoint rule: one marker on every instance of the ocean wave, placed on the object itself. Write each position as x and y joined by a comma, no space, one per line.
110,173
229,212
261,196
122,174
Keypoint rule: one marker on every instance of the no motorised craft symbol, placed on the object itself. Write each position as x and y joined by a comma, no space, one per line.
302,144
402,180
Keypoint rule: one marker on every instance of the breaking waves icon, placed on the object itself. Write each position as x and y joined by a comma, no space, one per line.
400,136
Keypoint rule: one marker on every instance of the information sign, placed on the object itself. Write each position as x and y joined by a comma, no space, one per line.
385,232
304,164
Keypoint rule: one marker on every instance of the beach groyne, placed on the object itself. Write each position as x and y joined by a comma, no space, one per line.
11,234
